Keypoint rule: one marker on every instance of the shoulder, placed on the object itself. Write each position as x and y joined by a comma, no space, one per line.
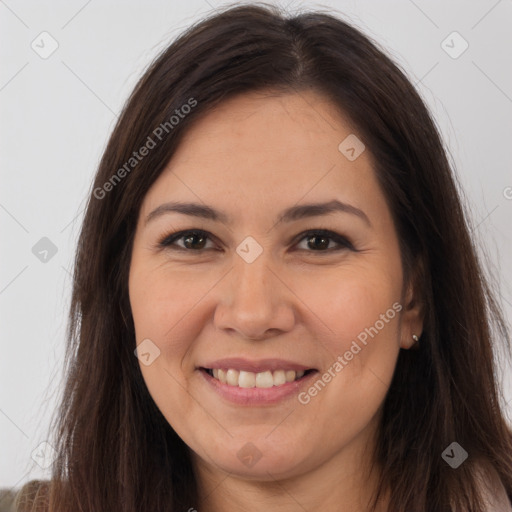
7,499
494,492
32,497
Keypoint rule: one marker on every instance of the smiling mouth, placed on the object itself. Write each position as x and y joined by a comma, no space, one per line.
265,379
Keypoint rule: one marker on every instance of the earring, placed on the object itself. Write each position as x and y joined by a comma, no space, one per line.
416,344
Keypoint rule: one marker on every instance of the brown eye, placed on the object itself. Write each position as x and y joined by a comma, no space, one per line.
320,240
193,240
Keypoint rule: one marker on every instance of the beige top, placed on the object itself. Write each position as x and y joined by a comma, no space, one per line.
494,492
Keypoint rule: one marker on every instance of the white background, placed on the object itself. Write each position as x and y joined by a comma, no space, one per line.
57,113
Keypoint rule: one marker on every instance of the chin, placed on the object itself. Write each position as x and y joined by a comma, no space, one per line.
262,461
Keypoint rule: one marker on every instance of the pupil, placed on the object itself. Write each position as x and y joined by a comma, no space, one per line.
187,241
321,237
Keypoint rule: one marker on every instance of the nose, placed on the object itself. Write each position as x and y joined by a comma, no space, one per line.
254,301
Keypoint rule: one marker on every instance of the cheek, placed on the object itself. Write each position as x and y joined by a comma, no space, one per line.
167,308
163,307
361,308
357,311
349,299
161,300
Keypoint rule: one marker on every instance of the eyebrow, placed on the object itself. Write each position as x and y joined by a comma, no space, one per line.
290,214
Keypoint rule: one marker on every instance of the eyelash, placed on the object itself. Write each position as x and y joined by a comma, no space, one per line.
168,241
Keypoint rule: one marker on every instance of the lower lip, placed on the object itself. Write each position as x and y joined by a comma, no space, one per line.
257,396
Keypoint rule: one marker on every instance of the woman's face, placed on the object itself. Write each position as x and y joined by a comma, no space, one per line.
259,296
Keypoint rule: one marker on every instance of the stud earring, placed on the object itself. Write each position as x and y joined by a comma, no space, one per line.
416,344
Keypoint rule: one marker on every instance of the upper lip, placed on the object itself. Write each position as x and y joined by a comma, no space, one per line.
255,366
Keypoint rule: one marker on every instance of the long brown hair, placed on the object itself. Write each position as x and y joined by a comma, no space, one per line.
116,450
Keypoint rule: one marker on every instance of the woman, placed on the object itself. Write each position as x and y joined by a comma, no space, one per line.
275,233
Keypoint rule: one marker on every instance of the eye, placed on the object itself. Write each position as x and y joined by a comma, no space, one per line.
317,240
193,240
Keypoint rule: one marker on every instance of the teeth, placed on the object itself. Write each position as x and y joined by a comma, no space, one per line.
221,376
279,377
265,379
232,377
246,380
290,375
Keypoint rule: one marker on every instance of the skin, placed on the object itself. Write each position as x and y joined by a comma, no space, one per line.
253,157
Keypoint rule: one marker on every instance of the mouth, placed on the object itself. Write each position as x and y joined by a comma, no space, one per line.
263,379
255,382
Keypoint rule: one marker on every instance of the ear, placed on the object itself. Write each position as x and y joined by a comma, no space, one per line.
414,310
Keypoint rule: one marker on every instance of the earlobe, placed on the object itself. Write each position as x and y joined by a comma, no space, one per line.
412,325
413,316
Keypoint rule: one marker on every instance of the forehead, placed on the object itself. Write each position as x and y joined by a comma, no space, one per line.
268,149
267,121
